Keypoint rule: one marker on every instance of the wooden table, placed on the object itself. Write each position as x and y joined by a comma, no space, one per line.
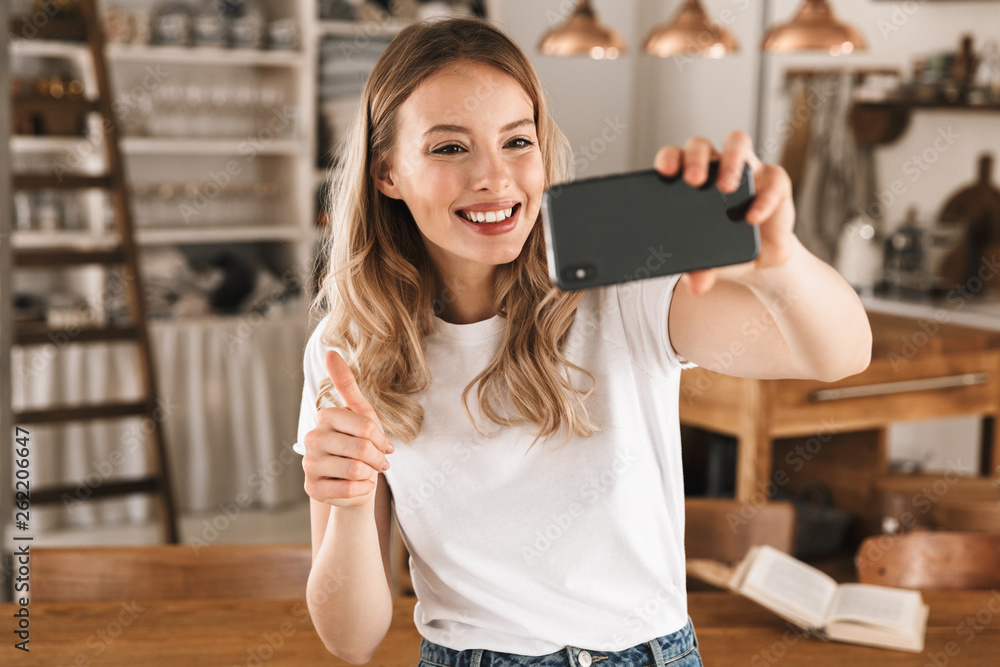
204,633
920,370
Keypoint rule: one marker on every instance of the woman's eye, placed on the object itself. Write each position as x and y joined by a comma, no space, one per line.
450,149
521,142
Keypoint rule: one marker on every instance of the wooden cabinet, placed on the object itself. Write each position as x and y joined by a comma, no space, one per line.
781,425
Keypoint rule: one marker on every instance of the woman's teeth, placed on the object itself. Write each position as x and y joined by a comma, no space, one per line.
488,216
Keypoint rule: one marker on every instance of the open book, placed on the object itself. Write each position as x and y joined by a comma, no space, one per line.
856,613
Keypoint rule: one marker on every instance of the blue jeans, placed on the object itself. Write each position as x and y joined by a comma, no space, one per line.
678,649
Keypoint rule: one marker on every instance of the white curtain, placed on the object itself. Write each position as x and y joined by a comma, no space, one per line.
230,389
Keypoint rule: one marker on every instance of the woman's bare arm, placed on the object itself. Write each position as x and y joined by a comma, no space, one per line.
349,593
350,587
798,320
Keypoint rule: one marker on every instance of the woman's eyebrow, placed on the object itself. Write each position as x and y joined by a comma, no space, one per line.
464,130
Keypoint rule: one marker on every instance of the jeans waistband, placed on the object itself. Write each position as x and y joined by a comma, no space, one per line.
656,652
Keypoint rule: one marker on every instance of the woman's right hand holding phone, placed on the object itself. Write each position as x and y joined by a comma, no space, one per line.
347,449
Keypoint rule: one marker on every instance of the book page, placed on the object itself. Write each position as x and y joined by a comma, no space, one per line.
791,586
856,632
892,608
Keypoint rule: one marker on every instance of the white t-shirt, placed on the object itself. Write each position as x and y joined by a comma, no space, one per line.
529,551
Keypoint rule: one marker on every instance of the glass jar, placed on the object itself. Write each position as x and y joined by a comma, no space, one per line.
48,212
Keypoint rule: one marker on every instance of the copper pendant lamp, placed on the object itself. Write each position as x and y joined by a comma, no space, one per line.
583,35
814,28
690,32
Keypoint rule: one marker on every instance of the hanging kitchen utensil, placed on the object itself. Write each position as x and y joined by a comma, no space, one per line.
795,153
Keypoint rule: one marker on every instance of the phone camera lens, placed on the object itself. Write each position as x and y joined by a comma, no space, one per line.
579,273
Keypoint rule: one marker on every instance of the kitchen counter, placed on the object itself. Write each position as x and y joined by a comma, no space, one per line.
980,312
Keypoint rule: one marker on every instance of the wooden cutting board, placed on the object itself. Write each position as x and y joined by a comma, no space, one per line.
977,208
976,202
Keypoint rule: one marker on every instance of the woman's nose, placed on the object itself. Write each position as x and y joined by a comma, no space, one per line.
491,172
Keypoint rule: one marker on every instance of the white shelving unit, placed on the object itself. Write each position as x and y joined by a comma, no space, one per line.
278,151
271,160
286,162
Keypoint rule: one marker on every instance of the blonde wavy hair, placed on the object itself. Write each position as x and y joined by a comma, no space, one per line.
381,290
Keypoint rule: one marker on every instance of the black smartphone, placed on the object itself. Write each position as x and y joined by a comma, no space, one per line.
638,225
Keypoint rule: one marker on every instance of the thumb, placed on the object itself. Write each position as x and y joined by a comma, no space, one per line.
699,282
343,380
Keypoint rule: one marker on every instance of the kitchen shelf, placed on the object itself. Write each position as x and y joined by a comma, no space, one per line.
36,239
204,55
39,48
148,236
42,144
884,122
978,314
938,106
359,28
194,146
219,234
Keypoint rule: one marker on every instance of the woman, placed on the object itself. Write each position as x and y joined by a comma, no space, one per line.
525,549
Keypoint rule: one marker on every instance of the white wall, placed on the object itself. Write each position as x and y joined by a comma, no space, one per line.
689,96
593,100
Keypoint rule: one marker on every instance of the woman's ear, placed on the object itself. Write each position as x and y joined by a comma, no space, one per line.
384,182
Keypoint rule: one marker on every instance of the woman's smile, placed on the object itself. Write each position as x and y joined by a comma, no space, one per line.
491,219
